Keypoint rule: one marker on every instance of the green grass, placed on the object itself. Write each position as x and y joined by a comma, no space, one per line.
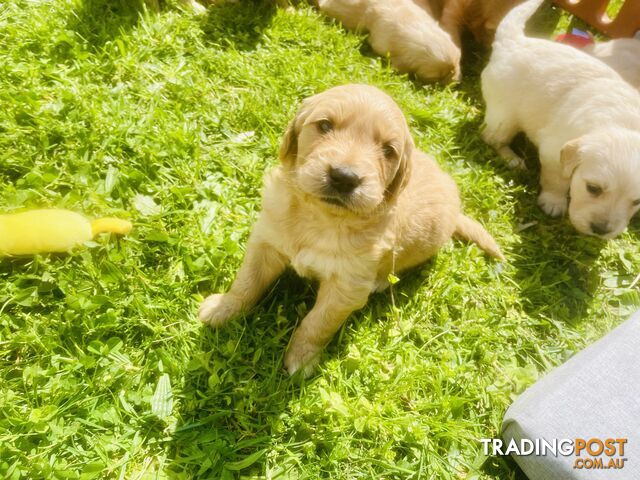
170,120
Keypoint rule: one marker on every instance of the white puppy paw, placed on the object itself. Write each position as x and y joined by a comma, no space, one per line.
552,203
217,309
516,163
513,160
301,356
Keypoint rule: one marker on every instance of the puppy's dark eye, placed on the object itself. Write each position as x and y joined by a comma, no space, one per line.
389,151
594,190
636,202
325,126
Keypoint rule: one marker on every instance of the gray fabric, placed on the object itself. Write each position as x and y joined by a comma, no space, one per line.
596,394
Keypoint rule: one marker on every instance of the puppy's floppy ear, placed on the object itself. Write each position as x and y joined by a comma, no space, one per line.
570,156
289,145
403,172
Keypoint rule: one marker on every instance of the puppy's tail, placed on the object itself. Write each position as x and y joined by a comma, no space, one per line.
512,26
470,230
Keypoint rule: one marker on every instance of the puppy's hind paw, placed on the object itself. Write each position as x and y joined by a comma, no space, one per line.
217,309
552,204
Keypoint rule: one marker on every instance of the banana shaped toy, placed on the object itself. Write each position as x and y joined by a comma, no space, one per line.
52,230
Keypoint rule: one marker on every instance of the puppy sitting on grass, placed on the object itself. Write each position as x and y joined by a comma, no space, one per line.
352,203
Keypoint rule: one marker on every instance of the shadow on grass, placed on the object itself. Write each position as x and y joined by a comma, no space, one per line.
101,21
236,394
236,397
237,25
228,25
236,389
560,283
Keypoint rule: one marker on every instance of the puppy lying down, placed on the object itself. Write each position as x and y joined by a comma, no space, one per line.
352,202
583,117
405,30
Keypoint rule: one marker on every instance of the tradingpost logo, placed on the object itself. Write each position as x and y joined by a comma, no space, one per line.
590,453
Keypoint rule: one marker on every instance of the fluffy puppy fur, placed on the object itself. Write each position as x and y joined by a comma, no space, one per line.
583,117
401,28
352,202
623,55
480,17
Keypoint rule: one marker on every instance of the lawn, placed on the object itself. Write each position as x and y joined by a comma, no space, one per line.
170,120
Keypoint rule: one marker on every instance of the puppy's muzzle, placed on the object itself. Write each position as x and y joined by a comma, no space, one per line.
601,228
343,180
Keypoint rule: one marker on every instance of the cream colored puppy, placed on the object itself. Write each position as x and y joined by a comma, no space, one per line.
584,119
401,28
352,202
623,55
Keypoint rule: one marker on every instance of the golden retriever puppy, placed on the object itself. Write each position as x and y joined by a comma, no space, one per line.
351,203
406,32
623,55
480,17
583,117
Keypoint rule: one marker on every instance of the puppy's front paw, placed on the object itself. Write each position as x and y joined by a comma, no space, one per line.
217,309
301,355
514,161
552,203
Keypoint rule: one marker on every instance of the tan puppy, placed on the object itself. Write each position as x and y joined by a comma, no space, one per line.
406,32
623,55
352,202
480,17
583,117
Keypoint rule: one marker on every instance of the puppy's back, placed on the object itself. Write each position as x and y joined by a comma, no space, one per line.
351,13
428,207
428,214
541,82
539,62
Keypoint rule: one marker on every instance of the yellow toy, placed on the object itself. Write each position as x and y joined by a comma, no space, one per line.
52,230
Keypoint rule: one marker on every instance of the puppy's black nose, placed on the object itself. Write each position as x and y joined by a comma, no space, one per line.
600,228
343,179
